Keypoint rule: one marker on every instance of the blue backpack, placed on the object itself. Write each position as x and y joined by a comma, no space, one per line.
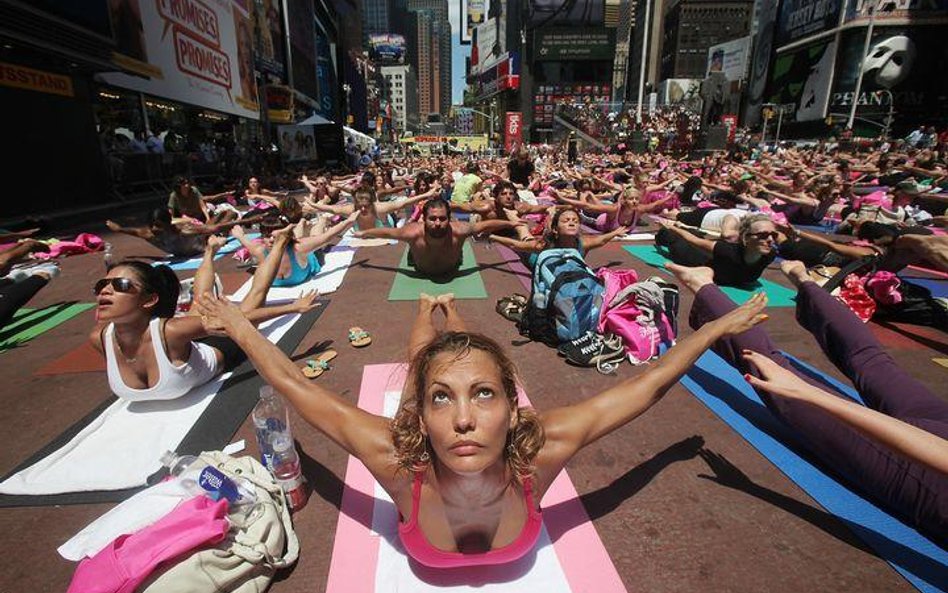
565,298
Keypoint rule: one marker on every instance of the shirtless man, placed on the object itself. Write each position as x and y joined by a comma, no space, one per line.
435,242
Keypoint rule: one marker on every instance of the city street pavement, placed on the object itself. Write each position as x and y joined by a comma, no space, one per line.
666,525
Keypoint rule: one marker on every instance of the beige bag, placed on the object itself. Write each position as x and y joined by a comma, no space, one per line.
246,560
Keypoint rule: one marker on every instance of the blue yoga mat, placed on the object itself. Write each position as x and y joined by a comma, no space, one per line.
937,286
723,390
194,263
233,244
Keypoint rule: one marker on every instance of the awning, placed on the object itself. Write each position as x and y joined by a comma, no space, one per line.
314,120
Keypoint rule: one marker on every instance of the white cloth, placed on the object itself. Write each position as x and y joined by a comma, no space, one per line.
328,280
636,237
122,446
134,514
713,220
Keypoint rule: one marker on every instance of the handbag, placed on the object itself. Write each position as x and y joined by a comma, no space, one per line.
251,552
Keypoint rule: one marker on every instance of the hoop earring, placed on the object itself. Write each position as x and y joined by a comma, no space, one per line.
424,457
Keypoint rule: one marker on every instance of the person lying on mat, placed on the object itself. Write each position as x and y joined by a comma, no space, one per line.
182,239
187,201
734,264
436,242
370,213
465,465
153,355
902,246
504,204
299,263
563,231
884,460
625,212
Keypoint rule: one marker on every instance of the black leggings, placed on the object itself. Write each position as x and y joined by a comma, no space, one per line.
14,295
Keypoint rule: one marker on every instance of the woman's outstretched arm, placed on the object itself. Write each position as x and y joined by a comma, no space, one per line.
910,441
363,435
571,428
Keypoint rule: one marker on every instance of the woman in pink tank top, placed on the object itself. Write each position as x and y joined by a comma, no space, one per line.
465,465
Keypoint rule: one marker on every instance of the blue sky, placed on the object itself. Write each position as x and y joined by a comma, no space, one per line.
458,53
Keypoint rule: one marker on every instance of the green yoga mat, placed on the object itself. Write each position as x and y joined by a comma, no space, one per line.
29,323
777,295
466,284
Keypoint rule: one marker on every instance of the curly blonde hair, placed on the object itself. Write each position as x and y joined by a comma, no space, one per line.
524,441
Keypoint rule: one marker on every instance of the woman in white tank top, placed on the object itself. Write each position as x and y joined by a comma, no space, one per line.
151,354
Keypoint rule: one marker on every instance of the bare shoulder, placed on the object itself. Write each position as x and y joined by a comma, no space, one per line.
96,337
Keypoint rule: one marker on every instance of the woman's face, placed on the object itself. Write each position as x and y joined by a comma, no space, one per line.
465,412
254,185
123,297
568,224
761,237
363,204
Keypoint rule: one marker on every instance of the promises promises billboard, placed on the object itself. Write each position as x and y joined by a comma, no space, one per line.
195,51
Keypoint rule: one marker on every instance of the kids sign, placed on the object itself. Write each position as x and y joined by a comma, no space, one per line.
513,130
195,51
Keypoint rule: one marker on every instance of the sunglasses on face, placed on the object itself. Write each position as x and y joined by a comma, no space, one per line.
764,235
123,285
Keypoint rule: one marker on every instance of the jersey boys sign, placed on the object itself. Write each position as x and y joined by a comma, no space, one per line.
194,51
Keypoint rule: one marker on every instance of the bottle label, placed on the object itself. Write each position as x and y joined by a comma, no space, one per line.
295,491
218,485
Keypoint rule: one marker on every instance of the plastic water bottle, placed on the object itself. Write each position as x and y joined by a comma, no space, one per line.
269,418
108,256
286,470
198,477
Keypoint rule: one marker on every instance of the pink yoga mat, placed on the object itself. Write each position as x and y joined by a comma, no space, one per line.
581,556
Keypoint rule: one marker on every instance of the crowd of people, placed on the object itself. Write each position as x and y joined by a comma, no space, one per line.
465,465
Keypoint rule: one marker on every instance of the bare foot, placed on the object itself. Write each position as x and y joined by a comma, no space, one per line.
693,278
427,302
215,242
795,271
446,300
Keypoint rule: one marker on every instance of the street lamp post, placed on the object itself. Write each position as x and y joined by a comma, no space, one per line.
645,33
875,6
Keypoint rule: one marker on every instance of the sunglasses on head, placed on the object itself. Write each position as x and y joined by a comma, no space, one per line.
124,285
764,235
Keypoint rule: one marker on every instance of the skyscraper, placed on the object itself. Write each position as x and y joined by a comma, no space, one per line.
432,57
376,17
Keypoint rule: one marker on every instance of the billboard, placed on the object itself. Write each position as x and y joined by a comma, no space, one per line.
679,90
802,77
513,130
760,61
387,49
490,42
541,13
908,62
575,43
473,13
297,143
195,52
921,12
730,58
800,18
268,36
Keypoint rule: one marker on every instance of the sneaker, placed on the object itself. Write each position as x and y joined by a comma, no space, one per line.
574,346
611,354
49,270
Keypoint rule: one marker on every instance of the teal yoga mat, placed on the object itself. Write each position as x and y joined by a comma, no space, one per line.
466,284
777,295
29,323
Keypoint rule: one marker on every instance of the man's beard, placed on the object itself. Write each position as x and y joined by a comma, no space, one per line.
437,234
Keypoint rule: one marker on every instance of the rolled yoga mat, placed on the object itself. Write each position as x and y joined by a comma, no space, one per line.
465,284
777,295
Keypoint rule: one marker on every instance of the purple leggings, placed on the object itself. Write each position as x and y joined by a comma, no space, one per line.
914,491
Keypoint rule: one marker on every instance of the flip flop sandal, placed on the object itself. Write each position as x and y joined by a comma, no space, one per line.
315,367
358,337
510,309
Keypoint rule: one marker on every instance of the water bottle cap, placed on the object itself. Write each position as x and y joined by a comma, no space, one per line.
167,458
282,443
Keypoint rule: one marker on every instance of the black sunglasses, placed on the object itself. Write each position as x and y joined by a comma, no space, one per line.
124,285
765,235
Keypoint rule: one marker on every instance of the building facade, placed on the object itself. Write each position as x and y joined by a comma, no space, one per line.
693,26
432,57
402,92
653,52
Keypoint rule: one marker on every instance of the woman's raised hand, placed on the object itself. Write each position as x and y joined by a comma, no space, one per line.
307,301
218,315
773,377
744,317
